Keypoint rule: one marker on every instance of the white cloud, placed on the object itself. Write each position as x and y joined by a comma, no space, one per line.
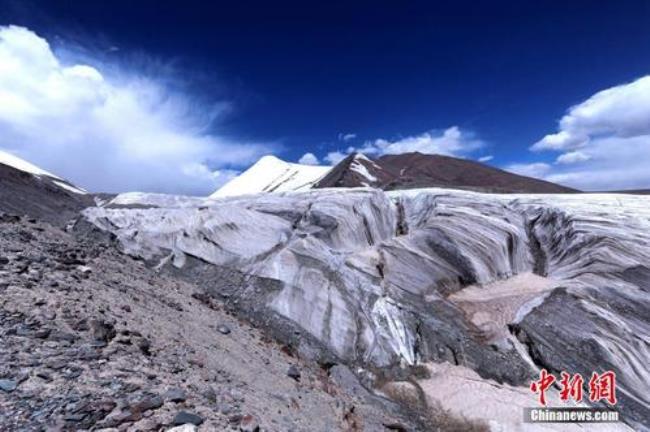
347,136
334,157
536,169
107,131
561,141
451,142
572,157
621,111
487,158
605,140
308,159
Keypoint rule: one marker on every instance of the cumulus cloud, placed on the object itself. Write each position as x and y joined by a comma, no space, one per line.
621,111
347,136
334,157
604,141
451,142
572,157
108,131
308,159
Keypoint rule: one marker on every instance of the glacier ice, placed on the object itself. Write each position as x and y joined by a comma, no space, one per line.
378,277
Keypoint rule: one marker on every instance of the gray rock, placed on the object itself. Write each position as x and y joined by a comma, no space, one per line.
175,395
293,372
223,329
8,385
147,402
185,417
145,345
102,330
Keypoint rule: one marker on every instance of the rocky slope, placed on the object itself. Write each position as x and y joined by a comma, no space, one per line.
27,189
95,340
501,285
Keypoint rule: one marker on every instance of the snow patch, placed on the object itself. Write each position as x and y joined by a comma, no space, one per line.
361,169
23,165
158,200
70,188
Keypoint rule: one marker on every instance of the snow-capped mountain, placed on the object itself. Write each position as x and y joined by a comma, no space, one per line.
271,174
389,172
28,189
22,165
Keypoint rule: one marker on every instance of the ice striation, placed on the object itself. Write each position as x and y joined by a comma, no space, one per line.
501,284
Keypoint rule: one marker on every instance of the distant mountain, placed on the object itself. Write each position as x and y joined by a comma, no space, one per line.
26,189
356,170
271,174
390,172
417,170
630,191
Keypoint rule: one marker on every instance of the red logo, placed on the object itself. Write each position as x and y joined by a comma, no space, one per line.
601,386
571,387
545,381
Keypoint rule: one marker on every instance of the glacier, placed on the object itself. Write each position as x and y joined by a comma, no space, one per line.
503,285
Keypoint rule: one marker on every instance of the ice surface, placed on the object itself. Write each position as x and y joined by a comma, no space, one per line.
406,277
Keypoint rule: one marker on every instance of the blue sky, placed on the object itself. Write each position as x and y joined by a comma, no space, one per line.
472,79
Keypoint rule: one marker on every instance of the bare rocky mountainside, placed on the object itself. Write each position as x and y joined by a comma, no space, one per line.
327,309
40,195
417,170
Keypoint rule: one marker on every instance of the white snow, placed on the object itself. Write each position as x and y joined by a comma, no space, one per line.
158,200
271,174
361,169
23,165
70,188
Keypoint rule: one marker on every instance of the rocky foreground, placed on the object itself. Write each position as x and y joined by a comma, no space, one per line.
95,340
393,284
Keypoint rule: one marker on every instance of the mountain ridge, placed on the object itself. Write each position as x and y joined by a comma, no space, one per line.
388,172
27,189
418,170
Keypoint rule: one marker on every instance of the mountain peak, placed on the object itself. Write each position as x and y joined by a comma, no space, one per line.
272,174
418,170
